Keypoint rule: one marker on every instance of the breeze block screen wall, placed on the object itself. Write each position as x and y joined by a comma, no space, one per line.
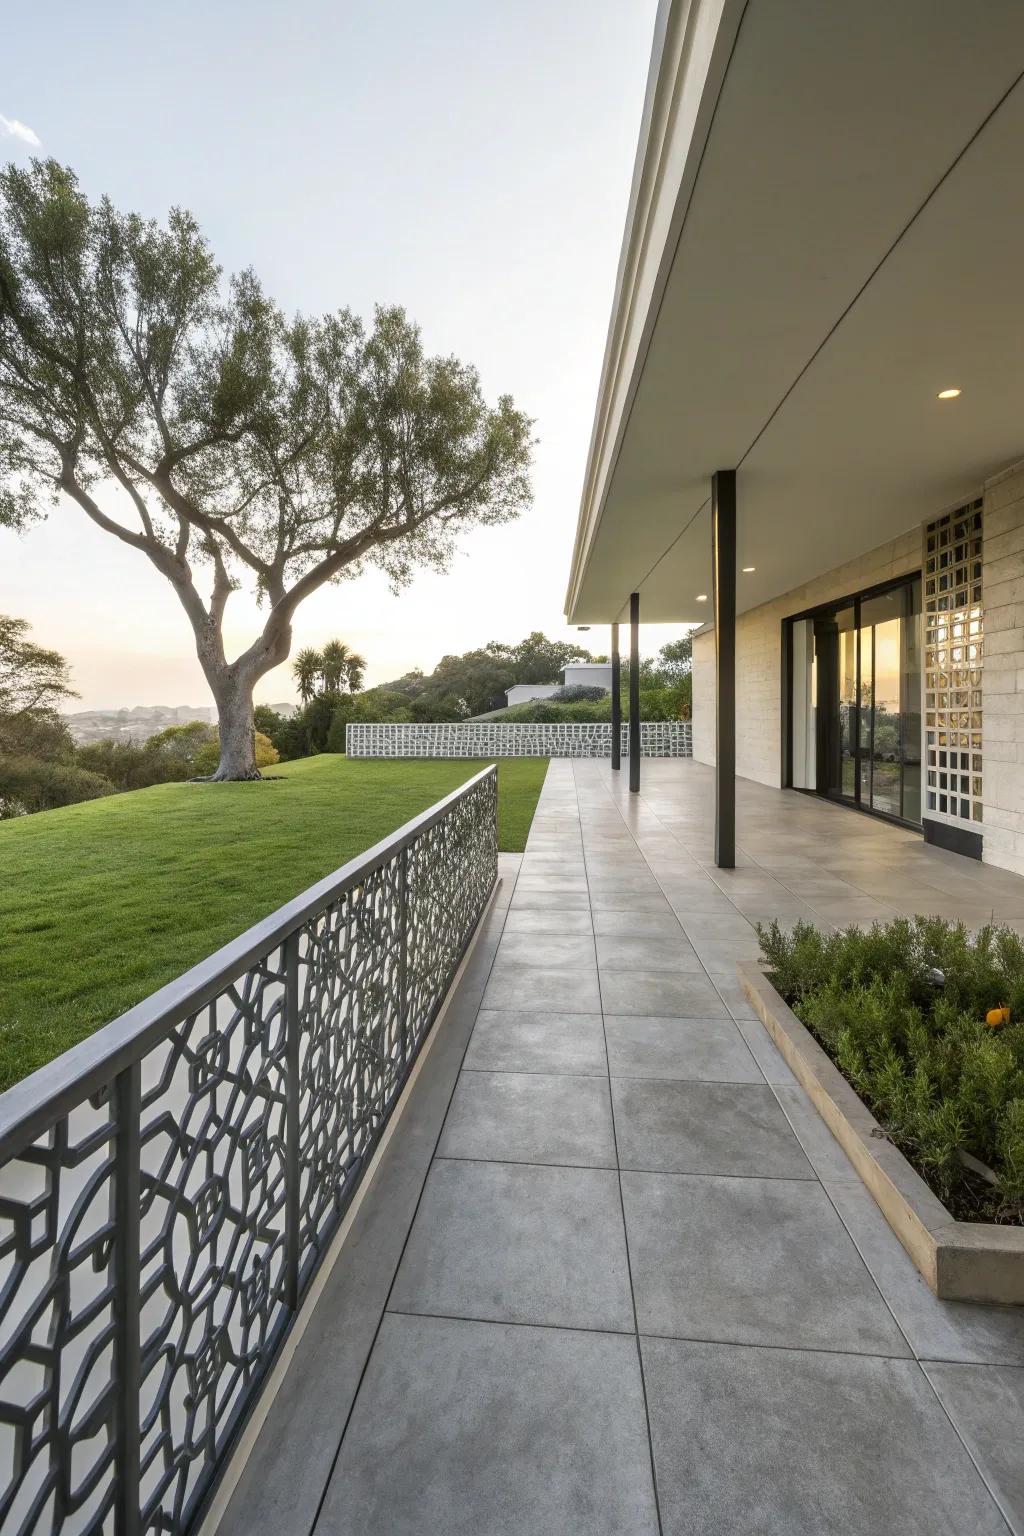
658,738
953,644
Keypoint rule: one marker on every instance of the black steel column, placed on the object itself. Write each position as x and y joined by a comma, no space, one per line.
616,700
723,576
634,691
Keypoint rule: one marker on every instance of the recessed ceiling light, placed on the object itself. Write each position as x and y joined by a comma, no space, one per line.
948,394
702,597
747,569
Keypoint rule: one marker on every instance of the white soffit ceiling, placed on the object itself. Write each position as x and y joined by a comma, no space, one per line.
854,243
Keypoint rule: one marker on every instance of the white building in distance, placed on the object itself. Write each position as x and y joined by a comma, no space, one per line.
578,674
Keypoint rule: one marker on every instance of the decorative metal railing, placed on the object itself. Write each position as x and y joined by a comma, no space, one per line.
169,1186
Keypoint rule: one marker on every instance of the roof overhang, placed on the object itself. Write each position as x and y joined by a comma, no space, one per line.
825,229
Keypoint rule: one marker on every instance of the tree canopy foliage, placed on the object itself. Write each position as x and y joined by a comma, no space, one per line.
477,680
34,681
31,677
187,416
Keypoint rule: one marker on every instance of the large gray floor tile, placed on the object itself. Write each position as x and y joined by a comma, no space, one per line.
474,1429
607,867
824,1153
986,1404
625,922
687,901
695,1050
559,863
642,952
766,1053
750,1261
546,949
542,989
661,994
561,884
529,1118
624,883
937,1330
549,901
730,990
720,956
682,1127
707,927
515,1243
538,1042
774,1442
631,901
546,921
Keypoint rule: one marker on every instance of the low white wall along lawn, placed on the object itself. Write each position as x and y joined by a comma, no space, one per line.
658,738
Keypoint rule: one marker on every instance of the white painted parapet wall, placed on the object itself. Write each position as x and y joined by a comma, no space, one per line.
658,738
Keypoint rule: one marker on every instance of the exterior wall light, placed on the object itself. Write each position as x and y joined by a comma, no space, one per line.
948,394
749,569
702,597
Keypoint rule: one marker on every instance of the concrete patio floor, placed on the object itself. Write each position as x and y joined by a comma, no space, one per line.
613,1276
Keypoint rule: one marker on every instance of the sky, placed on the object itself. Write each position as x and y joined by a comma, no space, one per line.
468,159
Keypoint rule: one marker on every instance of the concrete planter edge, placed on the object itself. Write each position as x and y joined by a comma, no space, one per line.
960,1260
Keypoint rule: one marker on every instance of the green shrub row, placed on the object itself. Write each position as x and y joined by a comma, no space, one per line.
900,1009
29,784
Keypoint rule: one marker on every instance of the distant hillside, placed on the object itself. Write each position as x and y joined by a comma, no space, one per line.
143,720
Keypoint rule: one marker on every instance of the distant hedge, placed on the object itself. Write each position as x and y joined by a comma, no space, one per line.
30,784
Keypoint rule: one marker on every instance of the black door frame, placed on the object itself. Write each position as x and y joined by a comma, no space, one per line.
821,610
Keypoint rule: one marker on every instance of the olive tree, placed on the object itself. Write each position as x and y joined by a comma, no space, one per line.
188,417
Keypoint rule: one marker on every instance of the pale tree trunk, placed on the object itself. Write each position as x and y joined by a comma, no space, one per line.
232,683
237,732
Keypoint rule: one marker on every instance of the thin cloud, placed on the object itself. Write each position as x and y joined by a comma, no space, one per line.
12,129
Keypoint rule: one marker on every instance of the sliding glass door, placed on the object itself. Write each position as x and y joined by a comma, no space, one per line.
855,701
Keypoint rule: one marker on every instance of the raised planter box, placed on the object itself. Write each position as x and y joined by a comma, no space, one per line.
960,1260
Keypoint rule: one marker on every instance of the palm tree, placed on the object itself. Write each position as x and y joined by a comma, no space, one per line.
341,665
307,667
354,671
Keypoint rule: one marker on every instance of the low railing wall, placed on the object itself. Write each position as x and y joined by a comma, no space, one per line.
169,1186
503,738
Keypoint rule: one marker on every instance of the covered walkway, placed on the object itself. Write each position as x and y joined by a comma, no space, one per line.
613,1277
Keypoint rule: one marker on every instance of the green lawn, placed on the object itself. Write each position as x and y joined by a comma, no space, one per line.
101,903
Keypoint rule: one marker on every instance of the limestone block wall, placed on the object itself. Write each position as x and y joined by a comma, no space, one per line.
658,738
759,658
1002,676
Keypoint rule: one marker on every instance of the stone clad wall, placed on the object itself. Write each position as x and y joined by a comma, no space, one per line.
1002,676
658,738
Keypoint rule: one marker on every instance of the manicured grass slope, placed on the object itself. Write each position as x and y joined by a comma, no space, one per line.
101,903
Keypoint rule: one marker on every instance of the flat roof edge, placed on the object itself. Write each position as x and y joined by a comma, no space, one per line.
693,42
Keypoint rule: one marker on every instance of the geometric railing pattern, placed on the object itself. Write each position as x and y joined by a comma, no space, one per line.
169,1187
